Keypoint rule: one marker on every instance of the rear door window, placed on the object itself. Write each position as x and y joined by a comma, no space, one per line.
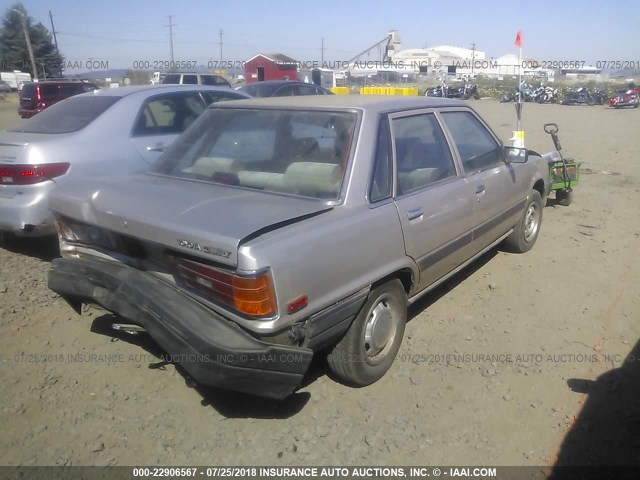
190,79
286,91
168,114
423,156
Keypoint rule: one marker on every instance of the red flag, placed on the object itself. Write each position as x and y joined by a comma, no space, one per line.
519,38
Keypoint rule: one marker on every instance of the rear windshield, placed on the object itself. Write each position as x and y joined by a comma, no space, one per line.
68,115
287,151
28,90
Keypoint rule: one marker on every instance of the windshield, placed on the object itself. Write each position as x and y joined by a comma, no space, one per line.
67,116
287,151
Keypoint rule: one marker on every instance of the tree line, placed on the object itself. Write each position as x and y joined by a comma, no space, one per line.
14,53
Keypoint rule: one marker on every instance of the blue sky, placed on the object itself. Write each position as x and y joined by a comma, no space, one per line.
122,32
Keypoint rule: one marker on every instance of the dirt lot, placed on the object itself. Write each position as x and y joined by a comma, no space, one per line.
547,323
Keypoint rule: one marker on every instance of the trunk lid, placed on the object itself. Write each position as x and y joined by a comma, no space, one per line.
23,148
202,219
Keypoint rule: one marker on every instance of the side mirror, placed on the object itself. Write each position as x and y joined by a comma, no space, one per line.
515,154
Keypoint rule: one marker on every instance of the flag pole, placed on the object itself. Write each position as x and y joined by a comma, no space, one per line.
519,84
518,134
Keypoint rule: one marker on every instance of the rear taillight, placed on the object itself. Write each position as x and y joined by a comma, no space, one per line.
31,174
249,295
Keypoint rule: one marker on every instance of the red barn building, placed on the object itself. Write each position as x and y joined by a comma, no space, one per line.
270,67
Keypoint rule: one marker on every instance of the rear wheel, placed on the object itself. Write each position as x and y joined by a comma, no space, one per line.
564,197
525,232
369,347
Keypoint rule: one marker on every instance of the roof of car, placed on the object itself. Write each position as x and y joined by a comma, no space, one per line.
364,102
275,82
125,91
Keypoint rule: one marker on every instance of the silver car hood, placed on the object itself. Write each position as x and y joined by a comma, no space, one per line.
201,219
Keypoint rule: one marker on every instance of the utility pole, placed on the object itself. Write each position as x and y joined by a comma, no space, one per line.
53,29
171,25
322,52
28,39
473,55
220,43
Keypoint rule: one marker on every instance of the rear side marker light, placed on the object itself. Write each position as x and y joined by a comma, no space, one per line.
31,174
297,305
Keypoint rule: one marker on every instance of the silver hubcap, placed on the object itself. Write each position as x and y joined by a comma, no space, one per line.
531,222
380,332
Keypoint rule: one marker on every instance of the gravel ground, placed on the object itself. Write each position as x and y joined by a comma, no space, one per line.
529,332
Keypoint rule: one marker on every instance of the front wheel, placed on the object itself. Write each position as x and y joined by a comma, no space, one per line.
369,347
525,232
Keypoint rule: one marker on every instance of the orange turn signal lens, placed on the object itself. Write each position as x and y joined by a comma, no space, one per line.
254,295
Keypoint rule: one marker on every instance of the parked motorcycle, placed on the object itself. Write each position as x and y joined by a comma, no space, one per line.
464,92
545,94
525,90
439,91
582,96
470,90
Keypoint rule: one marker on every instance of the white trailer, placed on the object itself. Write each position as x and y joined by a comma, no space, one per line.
15,79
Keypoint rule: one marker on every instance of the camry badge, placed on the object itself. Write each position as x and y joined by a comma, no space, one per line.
218,252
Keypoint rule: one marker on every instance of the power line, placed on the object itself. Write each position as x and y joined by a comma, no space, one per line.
113,39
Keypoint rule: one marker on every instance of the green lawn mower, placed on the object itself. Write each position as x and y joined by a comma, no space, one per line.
564,174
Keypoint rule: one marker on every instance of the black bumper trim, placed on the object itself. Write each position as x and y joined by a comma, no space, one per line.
213,350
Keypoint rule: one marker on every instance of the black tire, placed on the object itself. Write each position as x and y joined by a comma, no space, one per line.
564,197
525,232
360,358
476,96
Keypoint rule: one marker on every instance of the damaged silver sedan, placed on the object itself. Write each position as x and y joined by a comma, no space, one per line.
275,229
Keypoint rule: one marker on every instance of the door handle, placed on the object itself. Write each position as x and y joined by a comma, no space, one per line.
480,189
158,148
415,213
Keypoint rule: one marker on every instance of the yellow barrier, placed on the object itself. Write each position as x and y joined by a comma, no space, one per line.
405,91
341,90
